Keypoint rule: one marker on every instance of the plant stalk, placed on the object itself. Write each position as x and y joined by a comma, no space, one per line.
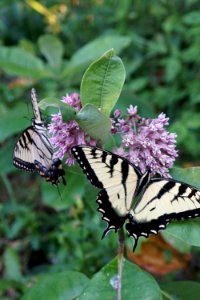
120,261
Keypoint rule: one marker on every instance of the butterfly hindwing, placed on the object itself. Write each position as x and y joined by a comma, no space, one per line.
163,200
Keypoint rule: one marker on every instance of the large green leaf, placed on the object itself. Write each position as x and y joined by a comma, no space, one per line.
52,49
94,123
187,175
94,49
103,81
19,62
14,121
136,284
182,290
57,286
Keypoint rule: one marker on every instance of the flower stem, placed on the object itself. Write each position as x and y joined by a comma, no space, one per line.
120,261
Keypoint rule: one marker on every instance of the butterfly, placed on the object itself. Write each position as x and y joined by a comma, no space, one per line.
144,203
34,152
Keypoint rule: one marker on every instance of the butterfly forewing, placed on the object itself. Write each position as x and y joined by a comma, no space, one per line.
22,157
110,172
42,150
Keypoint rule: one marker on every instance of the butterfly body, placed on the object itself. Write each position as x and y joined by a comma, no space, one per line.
34,152
144,204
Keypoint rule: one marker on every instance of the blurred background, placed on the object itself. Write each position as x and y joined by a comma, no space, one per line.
48,45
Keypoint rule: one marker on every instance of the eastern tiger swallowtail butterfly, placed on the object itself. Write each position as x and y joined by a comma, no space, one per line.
34,152
145,203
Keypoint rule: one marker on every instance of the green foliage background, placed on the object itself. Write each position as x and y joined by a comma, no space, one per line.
49,46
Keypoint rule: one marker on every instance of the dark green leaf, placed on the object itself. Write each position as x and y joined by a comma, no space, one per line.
94,123
6,156
183,290
12,265
94,49
13,122
19,62
102,82
192,18
173,68
52,49
62,286
136,284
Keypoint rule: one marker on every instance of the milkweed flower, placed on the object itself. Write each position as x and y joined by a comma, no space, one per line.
145,142
65,135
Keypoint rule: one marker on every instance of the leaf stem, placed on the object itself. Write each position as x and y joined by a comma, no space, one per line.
120,261
8,187
166,295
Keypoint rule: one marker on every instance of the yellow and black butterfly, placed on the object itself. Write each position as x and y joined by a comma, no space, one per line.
145,203
34,152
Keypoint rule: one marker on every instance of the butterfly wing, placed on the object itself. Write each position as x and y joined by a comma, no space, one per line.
33,152
116,178
23,151
163,200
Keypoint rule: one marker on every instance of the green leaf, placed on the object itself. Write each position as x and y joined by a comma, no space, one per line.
6,157
136,284
12,265
182,290
68,112
173,68
177,243
62,286
52,49
192,18
94,49
94,123
187,175
138,84
19,62
188,230
103,81
14,121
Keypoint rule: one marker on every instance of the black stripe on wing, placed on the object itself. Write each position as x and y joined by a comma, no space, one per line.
189,195
85,165
23,148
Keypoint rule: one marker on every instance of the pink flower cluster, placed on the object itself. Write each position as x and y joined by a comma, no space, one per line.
66,135
145,142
